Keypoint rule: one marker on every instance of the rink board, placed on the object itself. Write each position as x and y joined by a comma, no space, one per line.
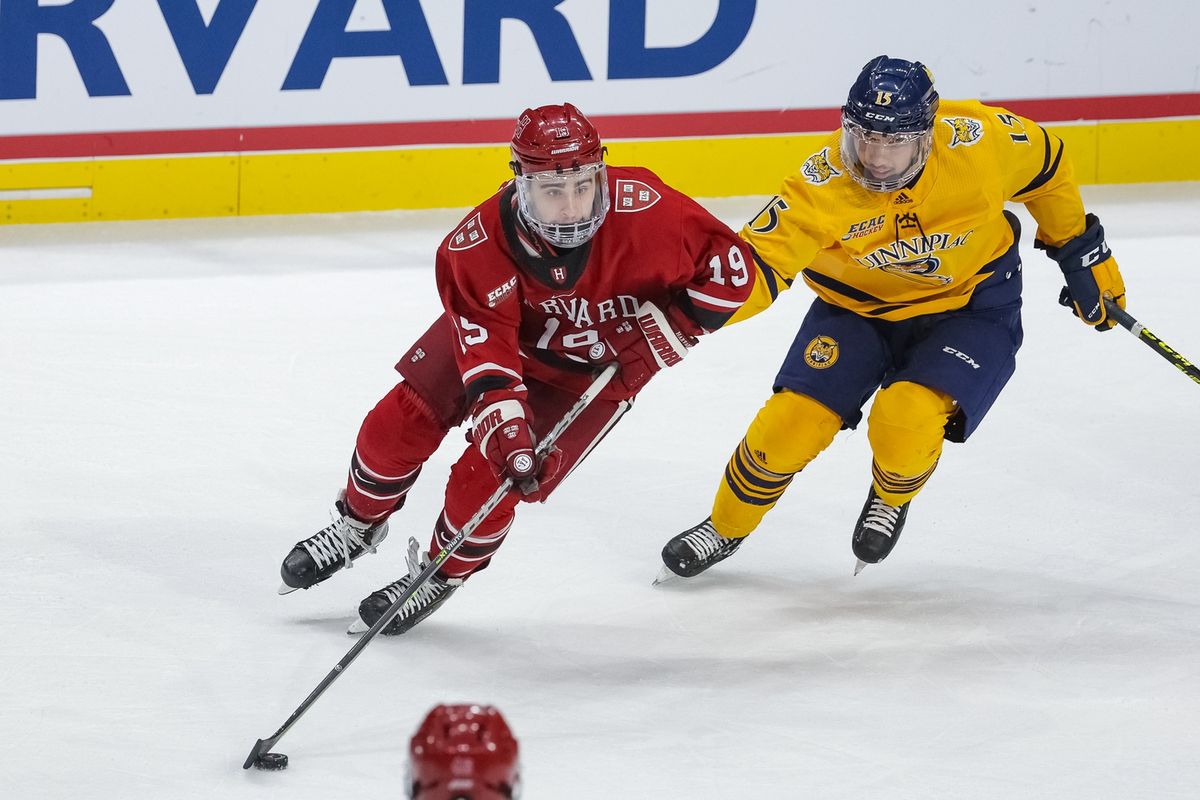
164,186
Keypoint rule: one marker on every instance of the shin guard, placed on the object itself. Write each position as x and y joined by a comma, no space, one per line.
789,431
906,429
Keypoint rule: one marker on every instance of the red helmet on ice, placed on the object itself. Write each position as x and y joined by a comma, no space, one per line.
464,752
562,183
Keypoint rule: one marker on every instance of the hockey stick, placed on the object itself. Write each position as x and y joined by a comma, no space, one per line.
1158,345
263,746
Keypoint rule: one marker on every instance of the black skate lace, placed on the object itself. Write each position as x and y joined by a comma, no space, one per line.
704,540
336,541
881,517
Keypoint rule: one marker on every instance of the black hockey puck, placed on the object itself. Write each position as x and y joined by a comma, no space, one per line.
271,761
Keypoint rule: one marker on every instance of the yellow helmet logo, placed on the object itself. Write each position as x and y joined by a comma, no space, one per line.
883,98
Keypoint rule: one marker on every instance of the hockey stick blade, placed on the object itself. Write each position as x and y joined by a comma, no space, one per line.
263,746
1126,321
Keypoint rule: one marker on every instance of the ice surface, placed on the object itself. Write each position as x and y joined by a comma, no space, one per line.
178,403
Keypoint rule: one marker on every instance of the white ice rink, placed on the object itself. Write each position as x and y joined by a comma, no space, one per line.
178,402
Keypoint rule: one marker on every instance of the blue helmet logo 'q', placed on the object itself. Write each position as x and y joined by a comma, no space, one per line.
892,95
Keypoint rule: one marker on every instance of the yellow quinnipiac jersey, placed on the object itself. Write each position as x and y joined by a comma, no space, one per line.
922,249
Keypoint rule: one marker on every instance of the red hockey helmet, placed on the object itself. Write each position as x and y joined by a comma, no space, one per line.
562,183
464,752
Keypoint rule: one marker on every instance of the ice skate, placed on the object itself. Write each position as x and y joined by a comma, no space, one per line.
877,530
693,551
424,602
337,545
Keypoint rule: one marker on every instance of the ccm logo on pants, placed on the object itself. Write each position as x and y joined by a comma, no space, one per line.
961,356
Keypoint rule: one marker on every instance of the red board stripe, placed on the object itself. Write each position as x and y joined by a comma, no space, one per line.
496,131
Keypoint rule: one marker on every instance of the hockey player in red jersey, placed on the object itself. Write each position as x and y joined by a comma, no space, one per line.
571,265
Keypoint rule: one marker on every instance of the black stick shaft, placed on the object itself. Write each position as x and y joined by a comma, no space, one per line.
264,745
1126,321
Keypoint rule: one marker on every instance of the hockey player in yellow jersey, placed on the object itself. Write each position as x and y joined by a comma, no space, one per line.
896,221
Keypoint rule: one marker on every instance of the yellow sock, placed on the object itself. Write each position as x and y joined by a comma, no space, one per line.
788,432
905,429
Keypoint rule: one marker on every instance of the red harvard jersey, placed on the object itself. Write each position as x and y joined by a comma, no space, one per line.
519,309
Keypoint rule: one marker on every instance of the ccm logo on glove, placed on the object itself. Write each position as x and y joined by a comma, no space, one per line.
1090,272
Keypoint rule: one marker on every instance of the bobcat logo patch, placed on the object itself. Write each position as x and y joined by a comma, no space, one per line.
967,131
821,353
817,169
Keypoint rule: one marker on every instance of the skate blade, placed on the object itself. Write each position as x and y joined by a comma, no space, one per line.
664,576
357,627
859,566
285,589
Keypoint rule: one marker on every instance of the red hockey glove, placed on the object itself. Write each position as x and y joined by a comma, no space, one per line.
654,339
1091,273
501,432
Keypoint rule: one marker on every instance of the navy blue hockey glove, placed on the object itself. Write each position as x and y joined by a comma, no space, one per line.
1091,273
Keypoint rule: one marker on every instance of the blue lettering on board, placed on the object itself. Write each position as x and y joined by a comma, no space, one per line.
75,23
551,32
327,38
205,49
628,56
